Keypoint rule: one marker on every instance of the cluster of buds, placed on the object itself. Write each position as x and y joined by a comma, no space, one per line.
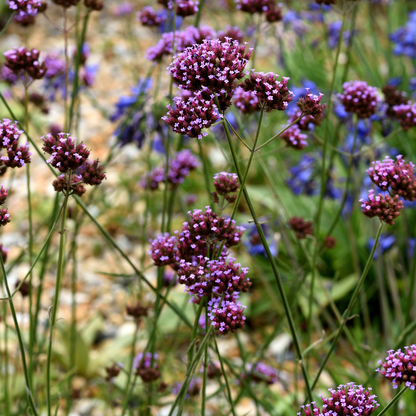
393,97
15,156
310,105
146,367
261,373
326,2
184,7
66,3
271,93
164,251
405,114
396,177
137,310
226,184
400,367
274,14
25,62
190,117
359,98
214,65
3,253
231,32
246,101
226,316
193,389
25,7
301,227
95,5
269,7
4,216
148,17
385,207
294,137
69,157
347,400
180,167
330,242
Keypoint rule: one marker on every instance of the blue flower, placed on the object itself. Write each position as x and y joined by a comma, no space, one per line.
254,245
334,29
405,38
385,244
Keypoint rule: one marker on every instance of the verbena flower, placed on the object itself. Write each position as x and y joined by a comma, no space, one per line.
254,6
66,3
274,13
95,5
137,311
184,7
232,32
400,367
112,372
406,115
329,242
190,117
193,389
271,93
148,17
385,207
397,177
226,316
311,105
226,184
4,216
359,98
347,400
21,60
392,98
25,7
214,65
301,227
294,137
164,251
3,251
143,366
405,38
15,156
152,179
261,373
306,123
253,242
246,101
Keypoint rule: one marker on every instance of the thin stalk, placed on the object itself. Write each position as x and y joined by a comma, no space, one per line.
275,269
384,140
7,24
230,397
65,32
53,312
6,363
347,312
256,41
20,339
206,174
393,401
198,15
409,300
204,380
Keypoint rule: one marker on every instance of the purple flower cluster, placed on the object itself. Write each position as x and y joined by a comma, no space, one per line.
232,32
190,117
301,227
347,400
193,389
271,93
261,373
22,61
246,101
25,7
226,184
179,168
69,157
213,65
359,98
294,137
164,251
15,156
385,207
143,366
4,216
310,105
406,115
148,17
273,12
400,367
184,7
226,316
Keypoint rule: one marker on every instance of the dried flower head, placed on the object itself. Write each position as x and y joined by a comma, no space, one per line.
406,115
226,316
301,227
112,371
359,98
24,61
400,367
190,117
146,367
385,207
347,400
294,137
137,310
271,93
396,177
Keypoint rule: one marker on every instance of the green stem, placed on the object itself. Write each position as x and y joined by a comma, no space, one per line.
393,401
53,312
347,312
6,363
7,24
20,339
272,261
206,174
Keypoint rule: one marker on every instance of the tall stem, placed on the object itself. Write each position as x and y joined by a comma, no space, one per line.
53,312
394,400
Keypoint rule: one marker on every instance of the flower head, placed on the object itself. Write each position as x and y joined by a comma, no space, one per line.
25,7
148,17
274,14
311,105
66,3
294,137
393,97
359,98
301,227
164,251
254,6
400,367
232,32
226,184
406,115
385,207
226,316
246,101
181,165
146,366
347,400
184,7
21,60
405,38
271,93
